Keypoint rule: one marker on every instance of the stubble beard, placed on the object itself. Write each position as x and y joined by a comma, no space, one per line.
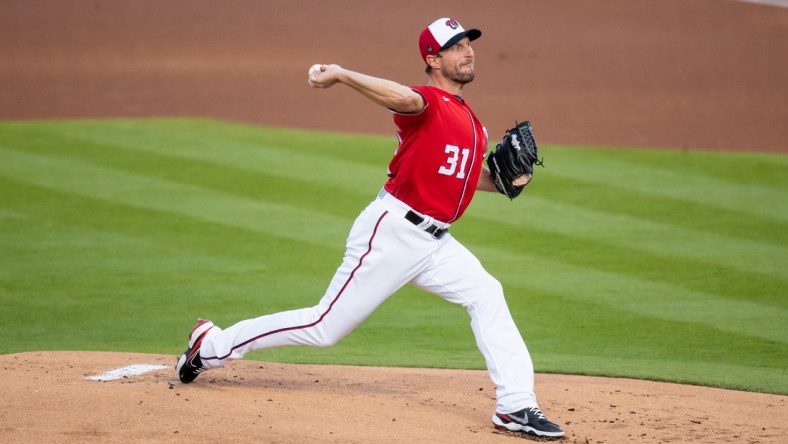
462,77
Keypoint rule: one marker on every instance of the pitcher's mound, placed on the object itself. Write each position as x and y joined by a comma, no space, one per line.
121,397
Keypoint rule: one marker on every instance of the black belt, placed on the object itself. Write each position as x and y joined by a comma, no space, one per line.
436,231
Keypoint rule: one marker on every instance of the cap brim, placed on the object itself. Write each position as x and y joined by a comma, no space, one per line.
472,35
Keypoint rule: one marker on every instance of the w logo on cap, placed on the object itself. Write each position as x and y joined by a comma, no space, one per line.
451,23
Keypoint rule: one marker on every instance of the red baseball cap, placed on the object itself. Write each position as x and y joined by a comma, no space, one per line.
441,34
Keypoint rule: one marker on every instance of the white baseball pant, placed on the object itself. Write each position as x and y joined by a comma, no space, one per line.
384,252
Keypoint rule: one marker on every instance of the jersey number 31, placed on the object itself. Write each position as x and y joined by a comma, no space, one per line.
455,155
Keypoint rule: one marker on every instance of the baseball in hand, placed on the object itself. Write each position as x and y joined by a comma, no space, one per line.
313,72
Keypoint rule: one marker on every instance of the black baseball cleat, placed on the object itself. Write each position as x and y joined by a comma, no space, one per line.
189,364
529,420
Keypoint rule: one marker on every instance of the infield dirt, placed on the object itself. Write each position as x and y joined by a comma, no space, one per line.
707,74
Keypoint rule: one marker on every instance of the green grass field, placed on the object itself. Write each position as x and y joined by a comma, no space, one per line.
658,264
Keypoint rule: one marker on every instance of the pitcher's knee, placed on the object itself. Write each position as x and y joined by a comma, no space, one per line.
325,327
490,294
495,287
330,340
327,335
492,288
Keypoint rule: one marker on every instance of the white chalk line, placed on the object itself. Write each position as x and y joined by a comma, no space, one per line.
778,3
127,372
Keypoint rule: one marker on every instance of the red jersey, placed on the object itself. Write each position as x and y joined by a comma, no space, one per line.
441,150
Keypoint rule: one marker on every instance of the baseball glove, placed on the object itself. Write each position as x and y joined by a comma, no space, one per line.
514,156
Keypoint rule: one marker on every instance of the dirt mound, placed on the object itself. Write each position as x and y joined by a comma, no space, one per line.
49,397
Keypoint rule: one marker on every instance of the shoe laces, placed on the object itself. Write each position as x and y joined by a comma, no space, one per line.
538,413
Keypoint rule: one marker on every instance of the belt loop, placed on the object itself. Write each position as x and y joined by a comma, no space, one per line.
439,232
434,230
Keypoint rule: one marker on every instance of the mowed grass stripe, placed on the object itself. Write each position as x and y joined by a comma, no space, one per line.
724,375
285,154
659,237
762,193
68,250
610,341
744,222
74,268
45,214
38,208
627,292
260,181
640,235
660,267
205,204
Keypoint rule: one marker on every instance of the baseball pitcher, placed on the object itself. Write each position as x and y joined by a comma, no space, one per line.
403,236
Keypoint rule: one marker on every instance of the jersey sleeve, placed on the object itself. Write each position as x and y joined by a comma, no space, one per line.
407,120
